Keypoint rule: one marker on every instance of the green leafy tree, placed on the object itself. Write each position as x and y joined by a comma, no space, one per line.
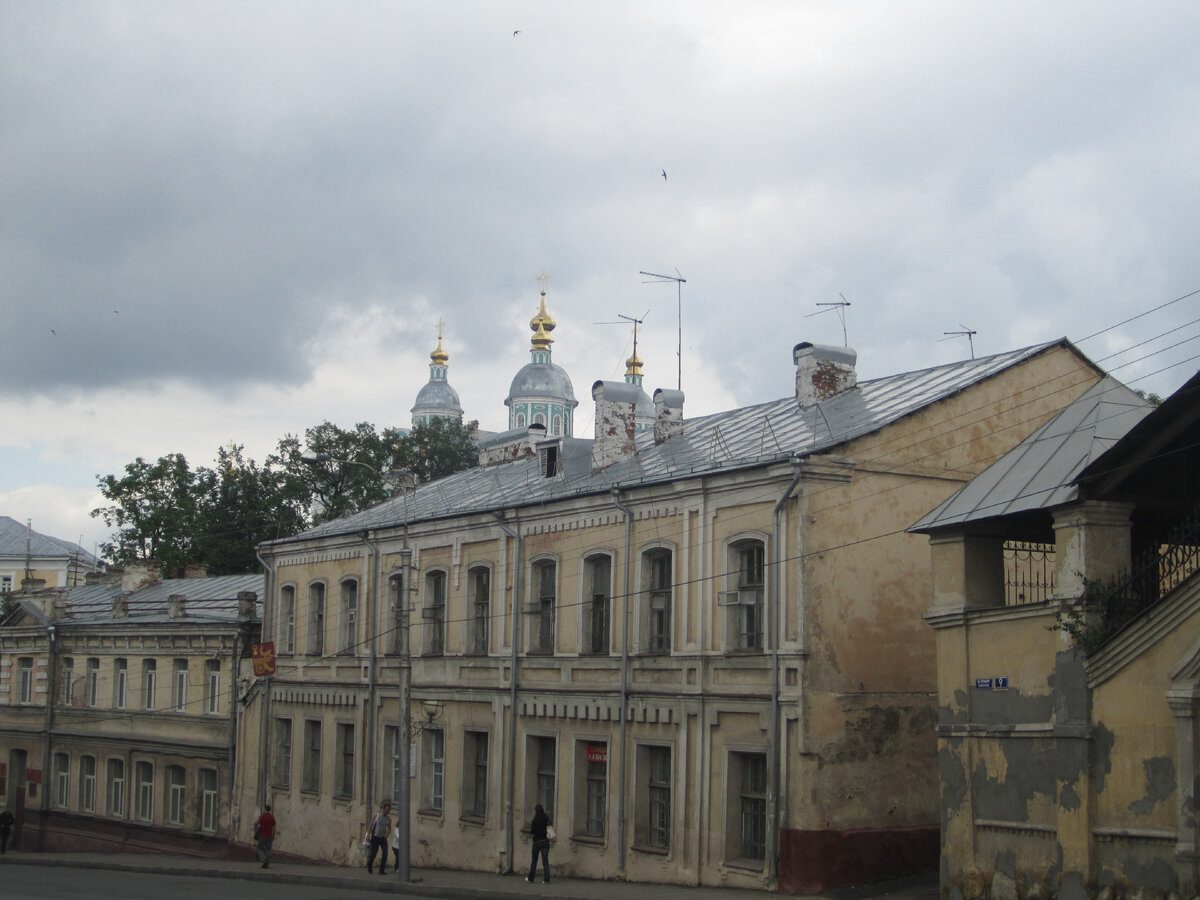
241,505
334,472
438,449
153,509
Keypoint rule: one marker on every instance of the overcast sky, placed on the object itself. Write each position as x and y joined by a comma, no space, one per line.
229,221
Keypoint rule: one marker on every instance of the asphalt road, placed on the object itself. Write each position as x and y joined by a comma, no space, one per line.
35,882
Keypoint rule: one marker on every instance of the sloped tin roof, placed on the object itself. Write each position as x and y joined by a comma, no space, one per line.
748,437
41,546
1039,473
208,600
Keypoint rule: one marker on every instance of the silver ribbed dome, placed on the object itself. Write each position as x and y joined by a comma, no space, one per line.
437,395
542,380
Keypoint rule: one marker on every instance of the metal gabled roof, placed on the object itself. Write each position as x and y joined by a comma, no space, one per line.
748,437
207,600
13,537
1039,473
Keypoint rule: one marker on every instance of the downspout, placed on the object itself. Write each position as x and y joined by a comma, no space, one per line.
773,776
623,759
511,767
51,647
264,717
370,575
233,713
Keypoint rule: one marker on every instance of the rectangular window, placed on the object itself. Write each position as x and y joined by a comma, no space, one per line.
176,795
748,782
310,774
87,784
543,586
67,694
144,773
26,667
120,683
658,610
93,682
391,739
598,581
344,785
540,755
287,620
116,788
212,686
481,598
434,746
62,780
591,787
397,607
179,686
433,614
209,801
349,589
475,769
149,683
658,795
316,619
746,623
282,765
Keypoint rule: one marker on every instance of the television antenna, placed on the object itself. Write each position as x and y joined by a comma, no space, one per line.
840,306
966,332
679,283
636,323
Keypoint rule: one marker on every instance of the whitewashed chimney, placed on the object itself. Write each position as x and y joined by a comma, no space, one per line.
616,423
177,606
668,414
246,604
822,372
120,606
137,575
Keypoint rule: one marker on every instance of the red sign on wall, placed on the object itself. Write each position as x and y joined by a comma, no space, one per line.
597,753
263,657
33,776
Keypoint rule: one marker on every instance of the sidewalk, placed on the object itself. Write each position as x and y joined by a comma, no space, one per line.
438,883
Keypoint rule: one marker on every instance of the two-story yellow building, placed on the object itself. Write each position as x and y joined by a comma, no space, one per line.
119,704
698,645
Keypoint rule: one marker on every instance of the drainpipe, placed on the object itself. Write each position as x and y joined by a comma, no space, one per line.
233,714
773,767
623,759
47,767
509,832
370,575
264,718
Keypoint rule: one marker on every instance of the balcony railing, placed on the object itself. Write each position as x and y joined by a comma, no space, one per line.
1028,572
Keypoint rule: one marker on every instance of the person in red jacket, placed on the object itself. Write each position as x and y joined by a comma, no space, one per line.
264,833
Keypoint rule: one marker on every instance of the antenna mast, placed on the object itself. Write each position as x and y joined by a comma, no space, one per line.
967,333
679,283
840,306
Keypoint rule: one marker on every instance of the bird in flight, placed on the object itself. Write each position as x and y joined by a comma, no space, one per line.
664,174
515,33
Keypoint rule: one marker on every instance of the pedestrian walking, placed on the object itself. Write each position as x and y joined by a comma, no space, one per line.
6,826
377,833
264,834
396,849
540,831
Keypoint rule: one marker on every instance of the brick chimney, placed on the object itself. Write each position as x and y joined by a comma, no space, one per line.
616,402
246,604
177,606
195,570
668,414
822,372
137,575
